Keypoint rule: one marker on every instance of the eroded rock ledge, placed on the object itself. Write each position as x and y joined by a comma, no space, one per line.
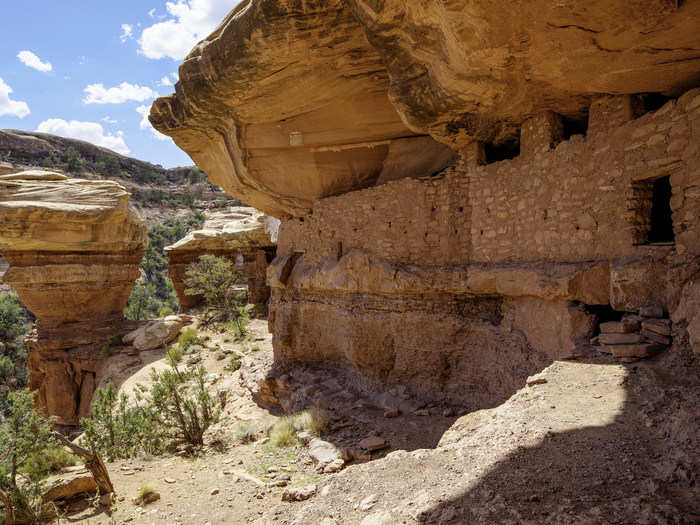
73,247
290,101
237,231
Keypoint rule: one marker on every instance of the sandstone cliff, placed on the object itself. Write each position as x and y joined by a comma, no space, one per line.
237,231
290,101
467,191
73,247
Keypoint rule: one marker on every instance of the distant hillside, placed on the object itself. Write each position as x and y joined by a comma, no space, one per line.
40,149
158,193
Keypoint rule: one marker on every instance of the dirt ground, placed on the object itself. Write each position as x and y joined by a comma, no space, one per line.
591,442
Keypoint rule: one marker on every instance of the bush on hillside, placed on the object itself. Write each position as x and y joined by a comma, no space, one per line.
213,278
23,435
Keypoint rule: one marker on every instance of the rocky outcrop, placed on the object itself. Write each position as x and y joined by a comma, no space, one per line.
567,198
73,248
290,101
242,235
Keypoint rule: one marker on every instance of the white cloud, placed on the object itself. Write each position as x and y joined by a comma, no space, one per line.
98,94
165,81
11,107
145,124
88,131
152,13
29,59
108,120
127,32
189,21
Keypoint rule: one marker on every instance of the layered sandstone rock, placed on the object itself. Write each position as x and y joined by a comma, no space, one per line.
573,199
289,101
241,234
73,248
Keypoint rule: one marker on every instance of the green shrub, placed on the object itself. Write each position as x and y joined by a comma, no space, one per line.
245,432
213,278
283,433
47,461
188,338
74,162
23,435
174,356
117,430
234,364
181,405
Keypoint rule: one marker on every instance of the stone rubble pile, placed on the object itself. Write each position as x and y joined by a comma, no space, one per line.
635,336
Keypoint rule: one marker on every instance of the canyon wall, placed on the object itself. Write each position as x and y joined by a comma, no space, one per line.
73,247
237,231
463,284
467,190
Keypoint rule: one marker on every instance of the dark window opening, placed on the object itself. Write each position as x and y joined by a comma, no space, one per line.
574,126
340,250
661,222
499,152
604,313
650,102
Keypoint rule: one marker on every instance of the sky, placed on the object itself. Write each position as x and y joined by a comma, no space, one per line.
90,69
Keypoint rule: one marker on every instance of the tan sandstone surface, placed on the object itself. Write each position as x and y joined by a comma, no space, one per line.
73,247
238,231
289,101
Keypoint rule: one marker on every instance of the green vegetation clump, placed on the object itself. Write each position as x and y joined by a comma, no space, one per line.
284,432
24,437
245,432
118,429
174,356
177,407
155,296
234,364
214,279
15,322
188,338
74,162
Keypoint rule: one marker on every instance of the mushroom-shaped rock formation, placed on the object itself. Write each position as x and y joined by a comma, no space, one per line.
73,247
290,101
236,231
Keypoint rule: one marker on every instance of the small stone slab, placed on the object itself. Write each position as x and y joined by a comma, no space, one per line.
373,443
660,326
656,338
619,339
622,327
639,350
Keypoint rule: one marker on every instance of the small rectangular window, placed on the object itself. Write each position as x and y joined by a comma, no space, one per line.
652,211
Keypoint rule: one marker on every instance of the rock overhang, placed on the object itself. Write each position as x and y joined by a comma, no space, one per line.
288,102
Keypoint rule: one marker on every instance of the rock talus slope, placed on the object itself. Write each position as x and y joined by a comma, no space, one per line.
73,247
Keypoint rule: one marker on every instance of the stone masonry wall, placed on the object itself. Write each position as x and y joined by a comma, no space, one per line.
442,283
573,203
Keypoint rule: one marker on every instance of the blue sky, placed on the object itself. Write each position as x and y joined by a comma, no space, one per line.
90,69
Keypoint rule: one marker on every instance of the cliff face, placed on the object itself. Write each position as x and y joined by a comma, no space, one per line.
73,247
237,231
290,101
566,198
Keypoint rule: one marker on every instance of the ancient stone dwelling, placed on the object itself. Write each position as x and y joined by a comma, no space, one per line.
467,190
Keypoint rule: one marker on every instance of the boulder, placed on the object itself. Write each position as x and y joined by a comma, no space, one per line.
323,453
69,485
156,333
